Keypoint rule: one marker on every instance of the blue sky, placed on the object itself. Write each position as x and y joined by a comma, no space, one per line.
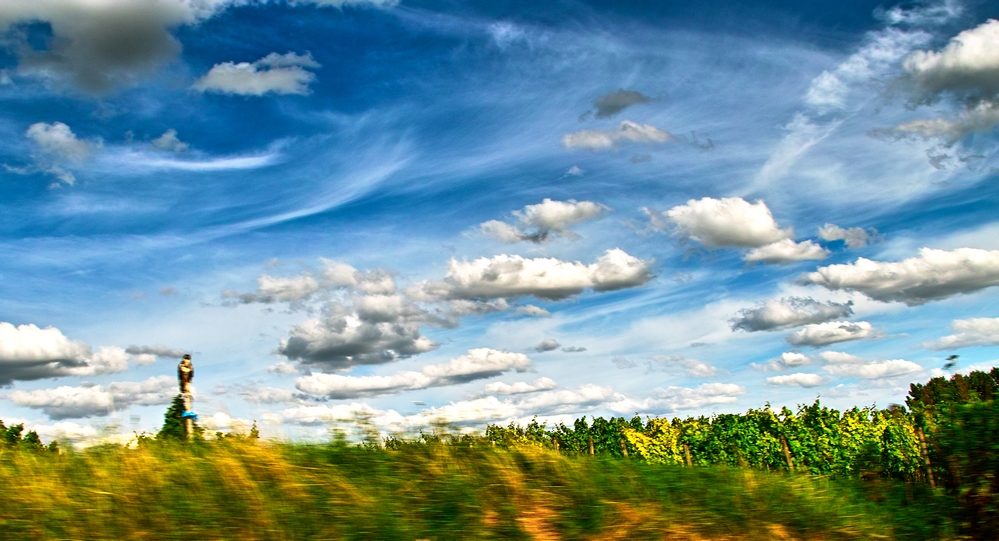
424,212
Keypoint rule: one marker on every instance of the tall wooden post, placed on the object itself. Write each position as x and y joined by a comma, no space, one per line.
185,375
686,455
787,453
591,445
188,422
926,457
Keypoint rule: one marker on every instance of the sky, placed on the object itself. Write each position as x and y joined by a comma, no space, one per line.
414,214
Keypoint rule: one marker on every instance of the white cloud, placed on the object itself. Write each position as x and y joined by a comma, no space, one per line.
626,131
87,401
520,387
967,69
788,359
823,334
59,140
533,311
789,312
934,275
731,221
673,399
55,143
979,331
169,142
520,406
690,367
874,369
799,379
476,364
285,289
967,66
786,251
337,342
547,278
547,345
282,369
855,237
838,357
280,74
28,352
982,117
539,223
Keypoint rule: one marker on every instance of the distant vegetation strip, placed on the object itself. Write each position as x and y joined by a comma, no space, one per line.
923,471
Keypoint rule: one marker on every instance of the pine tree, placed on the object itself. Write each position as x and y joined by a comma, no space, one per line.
173,423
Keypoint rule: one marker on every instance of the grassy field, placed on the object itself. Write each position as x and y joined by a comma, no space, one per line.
248,489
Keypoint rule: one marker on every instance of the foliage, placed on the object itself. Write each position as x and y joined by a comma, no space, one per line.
244,489
960,418
860,441
12,438
173,423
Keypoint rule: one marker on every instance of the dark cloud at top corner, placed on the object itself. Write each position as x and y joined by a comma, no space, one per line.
96,49
611,104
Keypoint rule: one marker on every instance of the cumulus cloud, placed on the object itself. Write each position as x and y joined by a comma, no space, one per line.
979,331
282,369
855,237
520,387
788,359
838,357
611,104
799,379
690,367
28,353
718,223
96,46
786,251
337,342
157,350
534,311
95,400
59,140
982,117
607,139
549,344
55,147
933,275
169,142
968,67
271,289
476,364
873,369
788,313
541,222
823,334
276,73
546,278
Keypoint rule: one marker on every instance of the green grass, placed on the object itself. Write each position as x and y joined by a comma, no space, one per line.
256,490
